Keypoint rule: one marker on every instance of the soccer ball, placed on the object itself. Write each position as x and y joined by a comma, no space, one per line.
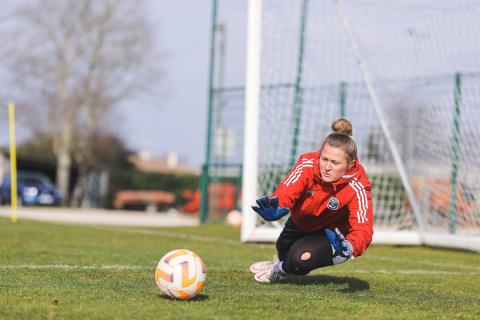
180,274
234,218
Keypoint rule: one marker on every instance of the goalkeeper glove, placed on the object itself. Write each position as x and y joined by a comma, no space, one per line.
269,210
341,246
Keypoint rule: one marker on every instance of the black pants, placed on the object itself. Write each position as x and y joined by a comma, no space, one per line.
303,252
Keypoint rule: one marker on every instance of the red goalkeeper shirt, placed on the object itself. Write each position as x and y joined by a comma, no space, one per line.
316,205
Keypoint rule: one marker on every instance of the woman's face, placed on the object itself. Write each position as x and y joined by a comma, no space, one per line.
333,163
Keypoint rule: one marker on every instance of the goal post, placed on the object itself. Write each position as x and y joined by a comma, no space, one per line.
405,74
252,119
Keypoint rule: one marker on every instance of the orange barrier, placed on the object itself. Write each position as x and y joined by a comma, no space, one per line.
439,198
222,199
140,197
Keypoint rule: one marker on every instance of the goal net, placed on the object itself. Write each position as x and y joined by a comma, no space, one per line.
406,73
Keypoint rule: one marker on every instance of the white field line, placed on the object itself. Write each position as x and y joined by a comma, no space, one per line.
73,267
409,271
179,235
421,262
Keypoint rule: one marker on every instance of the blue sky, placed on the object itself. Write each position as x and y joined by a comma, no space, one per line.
176,121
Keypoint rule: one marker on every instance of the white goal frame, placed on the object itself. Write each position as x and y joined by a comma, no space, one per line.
251,231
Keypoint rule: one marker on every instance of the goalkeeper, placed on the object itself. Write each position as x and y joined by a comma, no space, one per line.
327,194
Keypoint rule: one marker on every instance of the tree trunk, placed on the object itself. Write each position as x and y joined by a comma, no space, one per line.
64,163
79,189
63,174
83,154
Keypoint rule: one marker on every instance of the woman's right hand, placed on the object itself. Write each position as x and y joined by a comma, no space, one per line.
269,210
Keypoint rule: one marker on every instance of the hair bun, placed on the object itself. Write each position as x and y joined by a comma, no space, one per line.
343,126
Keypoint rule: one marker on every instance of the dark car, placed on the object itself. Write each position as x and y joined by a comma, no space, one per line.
33,188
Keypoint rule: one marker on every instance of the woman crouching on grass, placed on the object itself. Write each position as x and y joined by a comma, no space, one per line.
327,194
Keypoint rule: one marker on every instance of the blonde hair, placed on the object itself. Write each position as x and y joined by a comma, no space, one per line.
341,138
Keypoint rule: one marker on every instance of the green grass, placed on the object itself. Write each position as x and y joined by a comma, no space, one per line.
388,282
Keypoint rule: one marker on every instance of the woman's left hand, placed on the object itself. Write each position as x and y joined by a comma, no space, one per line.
342,246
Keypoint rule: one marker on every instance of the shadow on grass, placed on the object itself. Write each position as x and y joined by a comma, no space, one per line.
200,297
354,284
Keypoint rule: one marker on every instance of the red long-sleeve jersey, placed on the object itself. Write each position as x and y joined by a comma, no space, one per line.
315,205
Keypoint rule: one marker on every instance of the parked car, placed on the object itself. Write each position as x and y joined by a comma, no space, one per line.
33,188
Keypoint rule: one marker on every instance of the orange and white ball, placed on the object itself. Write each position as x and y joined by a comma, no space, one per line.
180,274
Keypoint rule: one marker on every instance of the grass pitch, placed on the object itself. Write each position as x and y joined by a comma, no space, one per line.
51,271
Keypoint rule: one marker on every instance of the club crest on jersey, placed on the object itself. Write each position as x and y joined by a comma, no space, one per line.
333,203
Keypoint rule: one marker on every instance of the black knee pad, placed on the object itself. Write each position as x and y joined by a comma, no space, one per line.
295,265
307,254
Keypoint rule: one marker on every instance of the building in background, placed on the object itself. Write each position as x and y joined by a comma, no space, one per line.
171,163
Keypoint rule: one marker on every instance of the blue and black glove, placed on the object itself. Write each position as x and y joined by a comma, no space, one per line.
342,247
269,210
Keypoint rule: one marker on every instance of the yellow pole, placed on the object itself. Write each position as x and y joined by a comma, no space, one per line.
13,161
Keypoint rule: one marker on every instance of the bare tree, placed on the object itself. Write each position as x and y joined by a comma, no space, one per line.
71,62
